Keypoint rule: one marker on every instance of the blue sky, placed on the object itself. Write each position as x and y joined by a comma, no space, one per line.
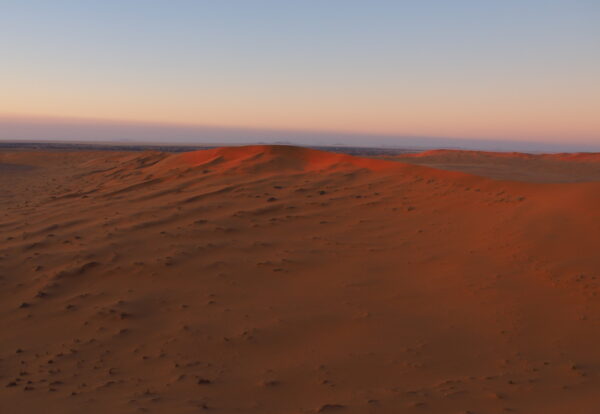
484,70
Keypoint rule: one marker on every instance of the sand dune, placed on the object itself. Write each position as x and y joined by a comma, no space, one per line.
558,168
274,279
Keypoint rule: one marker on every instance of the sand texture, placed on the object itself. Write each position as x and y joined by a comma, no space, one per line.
274,280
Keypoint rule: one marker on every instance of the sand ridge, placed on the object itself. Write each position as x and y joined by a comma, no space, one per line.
276,279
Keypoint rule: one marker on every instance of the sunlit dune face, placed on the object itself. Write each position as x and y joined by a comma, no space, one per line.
280,158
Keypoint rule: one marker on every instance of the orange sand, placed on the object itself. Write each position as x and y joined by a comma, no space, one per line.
286,280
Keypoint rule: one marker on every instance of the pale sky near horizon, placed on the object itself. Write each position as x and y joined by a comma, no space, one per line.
509,70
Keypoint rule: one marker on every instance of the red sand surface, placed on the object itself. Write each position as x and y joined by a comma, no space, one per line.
273,279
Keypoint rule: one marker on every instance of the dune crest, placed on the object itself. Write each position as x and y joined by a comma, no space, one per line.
274,158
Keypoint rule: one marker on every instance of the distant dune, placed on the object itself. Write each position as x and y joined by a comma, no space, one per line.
456,155
559,167
278,279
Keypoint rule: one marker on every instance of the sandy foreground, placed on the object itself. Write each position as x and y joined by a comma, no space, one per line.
271,279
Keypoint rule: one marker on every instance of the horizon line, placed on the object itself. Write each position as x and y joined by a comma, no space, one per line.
43,128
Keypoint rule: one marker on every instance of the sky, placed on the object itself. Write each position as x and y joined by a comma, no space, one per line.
472,72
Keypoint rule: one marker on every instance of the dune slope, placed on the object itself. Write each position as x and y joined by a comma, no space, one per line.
287,280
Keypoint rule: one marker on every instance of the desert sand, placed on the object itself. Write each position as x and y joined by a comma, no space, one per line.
274,279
